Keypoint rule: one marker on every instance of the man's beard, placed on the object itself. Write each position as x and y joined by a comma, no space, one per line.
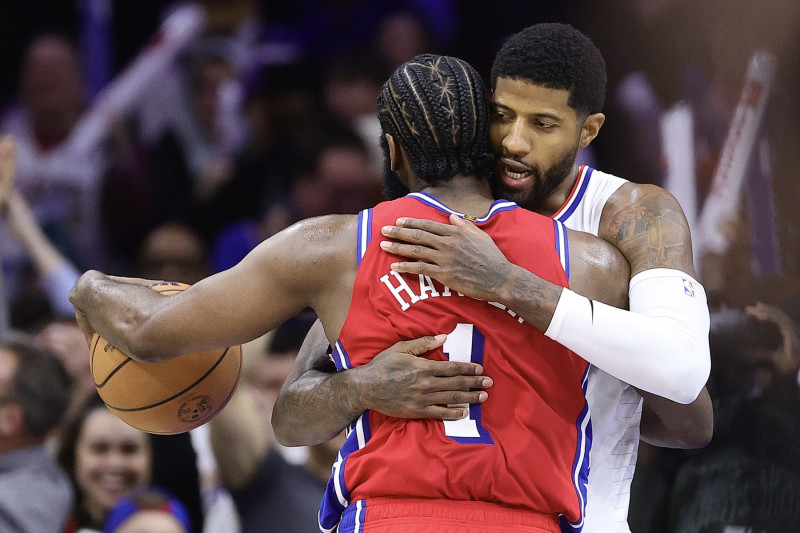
543,183
393,188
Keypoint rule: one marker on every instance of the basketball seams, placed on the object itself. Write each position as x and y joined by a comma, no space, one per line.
184,391
111,374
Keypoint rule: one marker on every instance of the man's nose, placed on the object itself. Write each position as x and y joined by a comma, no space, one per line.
516,140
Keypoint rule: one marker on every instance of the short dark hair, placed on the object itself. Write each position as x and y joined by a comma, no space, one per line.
41,384
437,108
556,56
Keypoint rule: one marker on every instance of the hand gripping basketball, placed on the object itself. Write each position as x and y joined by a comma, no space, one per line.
170,397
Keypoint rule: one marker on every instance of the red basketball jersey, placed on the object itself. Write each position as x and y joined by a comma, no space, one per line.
527,445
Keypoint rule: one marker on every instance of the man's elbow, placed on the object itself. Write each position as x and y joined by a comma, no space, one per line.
668,424
700,437
688,379
287,431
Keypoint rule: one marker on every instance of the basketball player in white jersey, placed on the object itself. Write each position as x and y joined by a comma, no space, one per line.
548,89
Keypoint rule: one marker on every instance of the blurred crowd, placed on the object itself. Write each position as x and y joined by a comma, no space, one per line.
166,140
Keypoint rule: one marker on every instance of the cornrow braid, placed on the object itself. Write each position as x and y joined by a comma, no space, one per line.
436,107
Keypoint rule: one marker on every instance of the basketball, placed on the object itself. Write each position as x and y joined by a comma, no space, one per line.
169,397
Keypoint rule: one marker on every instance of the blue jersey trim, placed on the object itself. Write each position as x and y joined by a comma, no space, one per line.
336,499
496,207
576,199
580,466
562,245
340,357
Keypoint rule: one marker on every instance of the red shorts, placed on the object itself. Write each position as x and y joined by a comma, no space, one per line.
409,515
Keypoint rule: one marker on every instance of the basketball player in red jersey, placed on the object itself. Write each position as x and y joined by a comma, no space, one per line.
514,463
548,86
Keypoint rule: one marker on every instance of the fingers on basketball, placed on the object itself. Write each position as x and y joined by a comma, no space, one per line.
171,397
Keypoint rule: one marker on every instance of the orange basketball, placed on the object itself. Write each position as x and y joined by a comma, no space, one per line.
170,397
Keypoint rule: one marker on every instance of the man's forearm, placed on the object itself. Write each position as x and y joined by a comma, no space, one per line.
316,407
531,297
673,425
316,402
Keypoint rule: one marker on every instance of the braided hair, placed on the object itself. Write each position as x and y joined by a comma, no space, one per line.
436,107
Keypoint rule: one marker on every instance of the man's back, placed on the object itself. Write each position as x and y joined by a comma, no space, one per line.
536,412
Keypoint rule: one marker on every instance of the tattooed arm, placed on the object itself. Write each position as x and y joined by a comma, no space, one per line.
648,226
316,402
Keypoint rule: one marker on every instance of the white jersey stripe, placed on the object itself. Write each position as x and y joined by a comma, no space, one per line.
362,441
341,356
359,516
337,480
496,207
364,233
562,246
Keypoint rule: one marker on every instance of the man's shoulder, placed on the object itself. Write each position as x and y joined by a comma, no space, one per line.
36,489
34,464
634,214
639,196
624,193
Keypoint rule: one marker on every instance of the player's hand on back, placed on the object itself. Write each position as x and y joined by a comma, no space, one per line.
400,383
459,255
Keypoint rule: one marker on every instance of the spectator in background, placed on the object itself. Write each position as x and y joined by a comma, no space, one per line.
401,36
351,82
173,251
59,181
61,164
63,159
749,476
265,479
148,510
338,177
193,157
282,112
35,494
105,459
63,338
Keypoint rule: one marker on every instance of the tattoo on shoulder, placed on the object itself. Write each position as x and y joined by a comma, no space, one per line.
651,233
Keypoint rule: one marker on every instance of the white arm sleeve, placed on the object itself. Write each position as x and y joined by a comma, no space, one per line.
659,346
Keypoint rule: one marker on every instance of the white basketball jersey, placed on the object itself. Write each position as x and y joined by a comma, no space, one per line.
615,407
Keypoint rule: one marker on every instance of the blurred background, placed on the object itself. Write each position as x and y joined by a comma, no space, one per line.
166,139
220,121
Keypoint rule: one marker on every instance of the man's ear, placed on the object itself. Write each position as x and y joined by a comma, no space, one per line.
591,127
394,159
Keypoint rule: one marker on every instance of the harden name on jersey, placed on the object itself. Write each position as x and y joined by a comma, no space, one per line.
401,289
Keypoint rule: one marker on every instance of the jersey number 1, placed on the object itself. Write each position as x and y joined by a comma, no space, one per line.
465,344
